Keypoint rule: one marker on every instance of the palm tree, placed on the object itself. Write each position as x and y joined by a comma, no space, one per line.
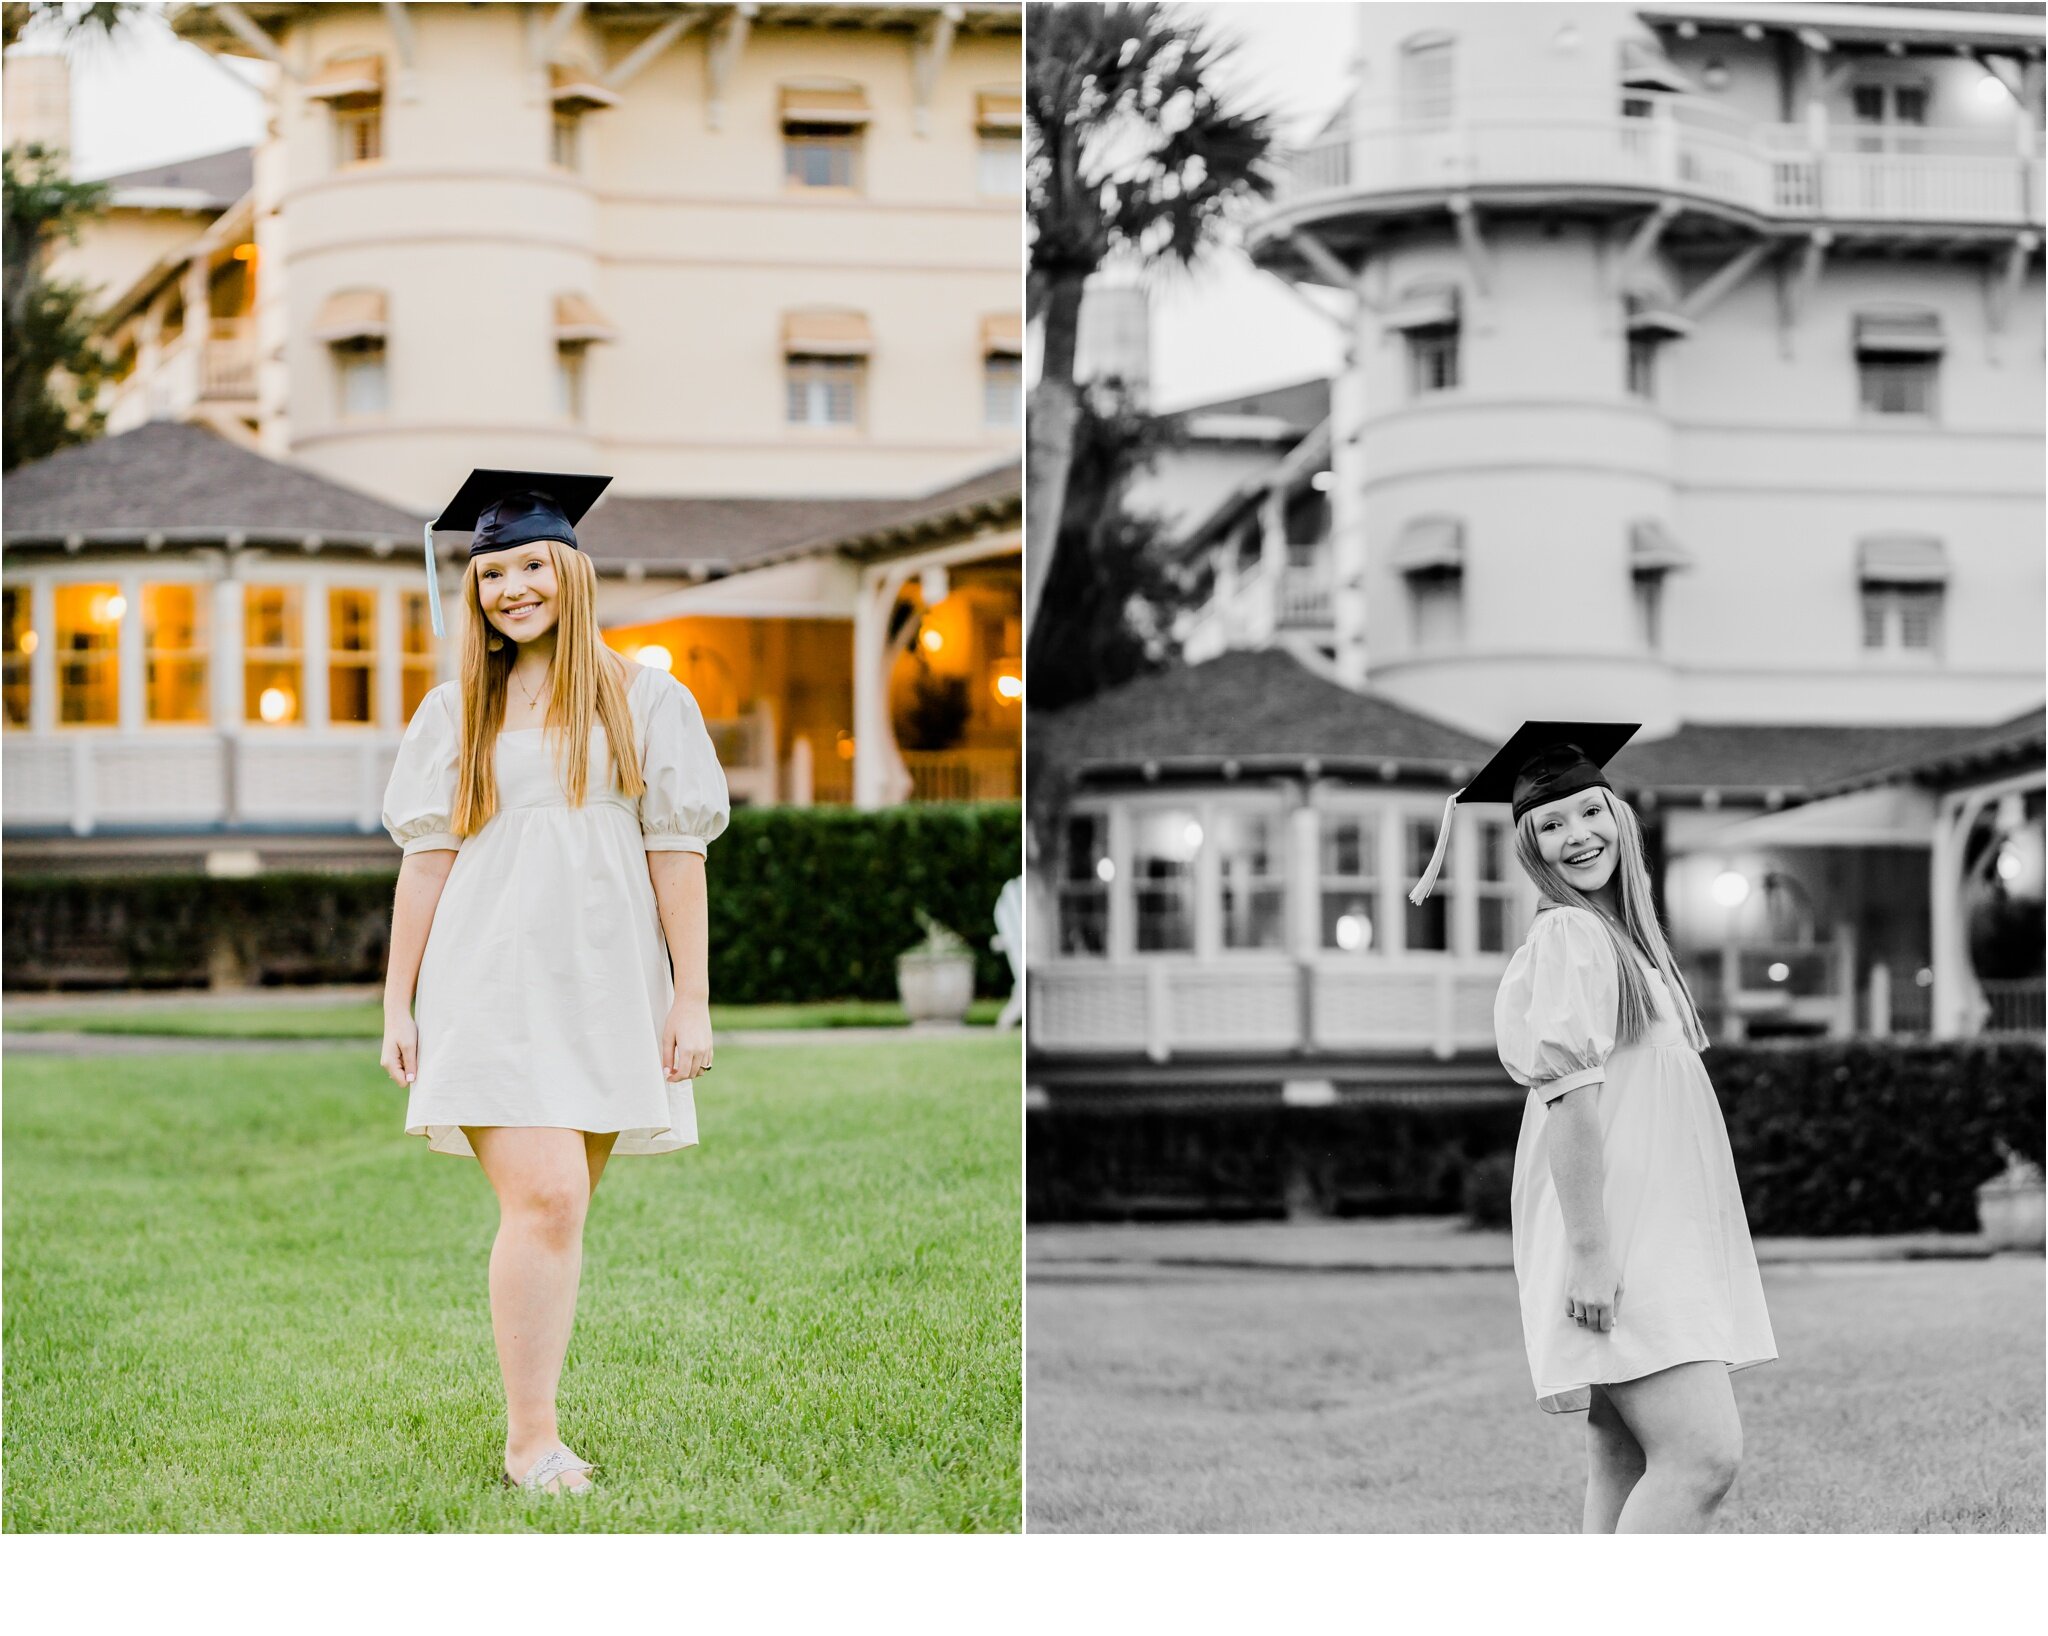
1135,154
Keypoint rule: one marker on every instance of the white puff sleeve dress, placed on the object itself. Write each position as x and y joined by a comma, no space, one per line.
1689,1284
546,976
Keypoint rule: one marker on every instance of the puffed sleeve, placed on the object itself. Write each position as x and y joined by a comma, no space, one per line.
685,806
1555,1016
419,802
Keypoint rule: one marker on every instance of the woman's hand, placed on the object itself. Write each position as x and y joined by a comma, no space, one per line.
400,1057
1592,1290
686,1040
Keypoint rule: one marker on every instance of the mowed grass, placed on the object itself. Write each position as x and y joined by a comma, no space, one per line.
1907,1398
364,1019
238,1297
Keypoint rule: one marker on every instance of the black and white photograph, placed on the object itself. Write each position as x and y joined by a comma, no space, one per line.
1535,769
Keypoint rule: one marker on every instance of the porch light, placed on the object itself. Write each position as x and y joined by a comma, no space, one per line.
655,657
30,641
1009,686
1778,971
1354,933
1193,836
1105,870
1323,482
245,252
844,745
1991,91
1731,890
275,704
2008,864
932,641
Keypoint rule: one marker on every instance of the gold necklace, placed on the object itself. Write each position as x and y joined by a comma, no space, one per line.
533,698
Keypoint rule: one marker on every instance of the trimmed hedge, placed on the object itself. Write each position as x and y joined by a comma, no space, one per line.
806,904
1829,1137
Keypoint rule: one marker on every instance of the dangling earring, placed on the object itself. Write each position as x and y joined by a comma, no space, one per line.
495,643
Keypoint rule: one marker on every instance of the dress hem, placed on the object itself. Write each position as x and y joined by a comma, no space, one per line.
634,1139
1578,1399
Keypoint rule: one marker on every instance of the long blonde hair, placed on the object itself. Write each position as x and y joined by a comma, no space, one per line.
1637,932
586,686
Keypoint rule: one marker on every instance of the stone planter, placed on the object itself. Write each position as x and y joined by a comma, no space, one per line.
935,988
2010,1210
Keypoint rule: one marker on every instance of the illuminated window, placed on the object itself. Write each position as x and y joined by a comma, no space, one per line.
351,656
1428,922
1166,843
824,391
1252,878
1085,876
273,655
174,646
89,654
17,616
1495,888
420,665
1350,885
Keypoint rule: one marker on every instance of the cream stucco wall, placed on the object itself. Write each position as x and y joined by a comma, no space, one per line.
682,235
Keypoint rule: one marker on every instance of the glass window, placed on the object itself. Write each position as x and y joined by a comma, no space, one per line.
824,391
1426,94
1167,840
360,375
352,656
1085,876
1495,886
565,145
420,664
1896,384
1350,884
17,616
999,164
1252,877
1428,922
1649,589
1642,366
273,655
359,133
1002,390
1437,600
1902,618
1433,359
174,647
569,357
89,654
821,155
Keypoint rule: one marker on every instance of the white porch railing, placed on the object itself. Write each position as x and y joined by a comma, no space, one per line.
963,775
1304,598
228,367
1939,176
2018,1007
1165,1008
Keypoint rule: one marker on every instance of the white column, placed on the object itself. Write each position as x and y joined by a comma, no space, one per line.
313,634
1463,861
42,664
870,686
1945,917
227,655
1123,936
1304,860
390,707
1390,931
128,647
1208,882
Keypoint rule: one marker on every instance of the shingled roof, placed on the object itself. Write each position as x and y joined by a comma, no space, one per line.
185,483
1260,708
1756,758
213,181
2020,742
714,534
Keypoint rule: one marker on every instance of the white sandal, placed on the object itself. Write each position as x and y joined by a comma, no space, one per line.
553,1465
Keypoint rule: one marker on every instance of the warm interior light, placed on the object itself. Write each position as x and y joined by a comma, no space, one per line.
931,639
1105,870
1354,933
245,252
655,657
1009,688
117,605
30,641
1991,91
1193,836
1779,971
1323,481
2008,864
1730,889
844,745
275,704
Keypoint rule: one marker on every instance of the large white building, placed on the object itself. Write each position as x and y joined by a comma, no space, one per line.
759,261
1693,376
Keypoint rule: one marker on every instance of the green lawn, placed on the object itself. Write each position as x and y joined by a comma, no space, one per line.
364,1019
238,1297
1907,1398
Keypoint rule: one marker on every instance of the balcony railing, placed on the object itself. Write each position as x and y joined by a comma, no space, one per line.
228,366
962,775
2015,1007
1304,599
1167,1008
1860,174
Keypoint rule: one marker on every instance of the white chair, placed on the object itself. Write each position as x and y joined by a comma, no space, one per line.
1009,939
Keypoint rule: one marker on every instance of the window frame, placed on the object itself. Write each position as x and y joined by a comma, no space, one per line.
17,662
108,657
797,370
1450,582
800,136
200,655
1434,350
350,118
289,657
344,355
368,659
1004,362
1887,599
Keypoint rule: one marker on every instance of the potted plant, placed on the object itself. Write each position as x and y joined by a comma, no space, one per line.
935,976
2009,1206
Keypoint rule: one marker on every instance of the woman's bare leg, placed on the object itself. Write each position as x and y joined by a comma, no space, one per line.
1685,1419
542,1177
1615,1464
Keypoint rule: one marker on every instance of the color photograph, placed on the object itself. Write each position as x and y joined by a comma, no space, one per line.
513,768
1535,769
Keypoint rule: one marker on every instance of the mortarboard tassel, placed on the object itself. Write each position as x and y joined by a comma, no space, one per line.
433,582
1423,887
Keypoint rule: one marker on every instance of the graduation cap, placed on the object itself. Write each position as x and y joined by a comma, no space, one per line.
1544,761
501,509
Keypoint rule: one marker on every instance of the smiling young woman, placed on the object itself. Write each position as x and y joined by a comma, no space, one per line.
1639,1285
554,808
